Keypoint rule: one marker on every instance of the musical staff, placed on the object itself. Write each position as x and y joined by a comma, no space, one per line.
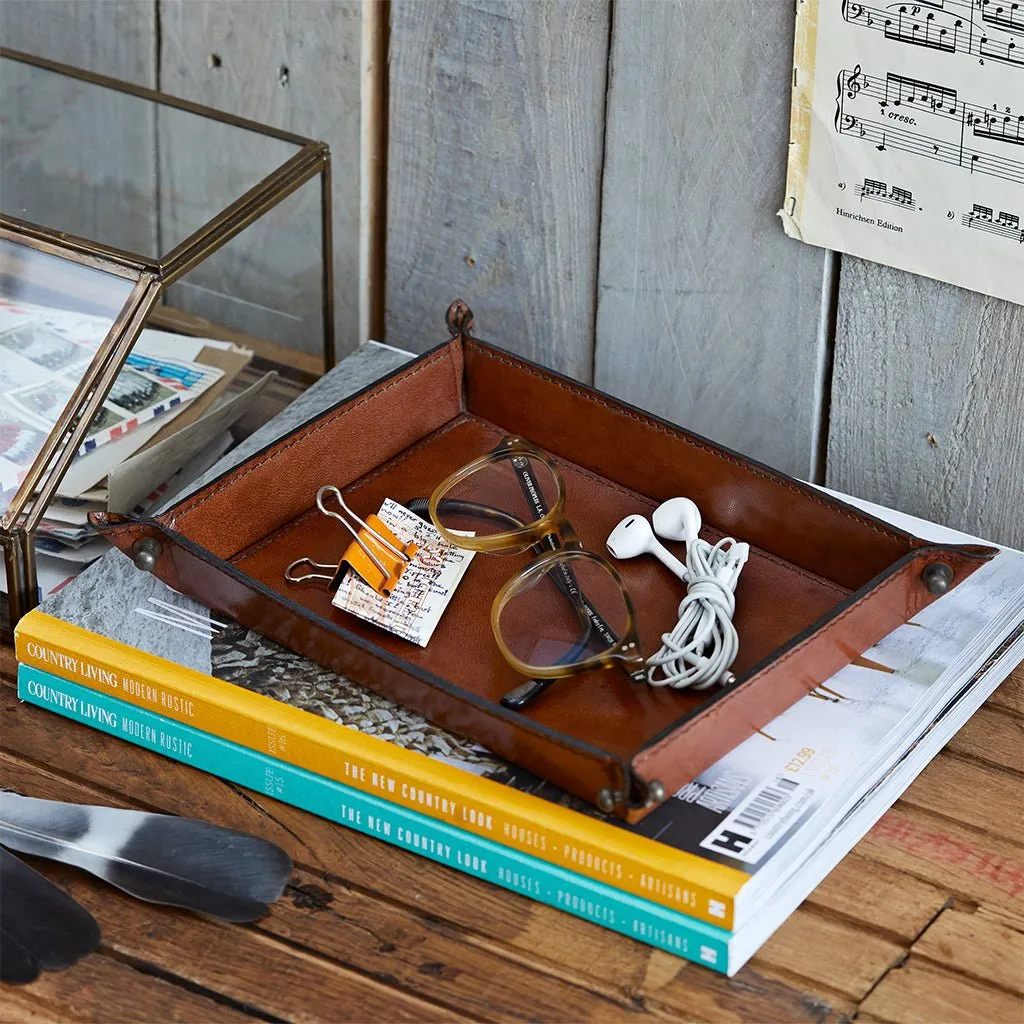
984,28
1001,127
881,192
1008,16
931,121
1006,225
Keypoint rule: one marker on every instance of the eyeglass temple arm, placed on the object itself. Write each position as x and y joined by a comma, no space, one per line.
565,578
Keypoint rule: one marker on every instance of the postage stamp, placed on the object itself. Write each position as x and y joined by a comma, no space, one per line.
45,348
134,392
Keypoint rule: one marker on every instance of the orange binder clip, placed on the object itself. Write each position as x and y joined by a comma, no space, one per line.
376,555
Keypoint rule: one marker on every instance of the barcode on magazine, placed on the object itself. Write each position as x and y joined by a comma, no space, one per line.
750,831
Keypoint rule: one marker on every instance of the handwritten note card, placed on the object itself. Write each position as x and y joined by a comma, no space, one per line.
416,604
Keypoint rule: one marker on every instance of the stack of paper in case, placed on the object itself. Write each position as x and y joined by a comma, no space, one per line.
708,876
168,388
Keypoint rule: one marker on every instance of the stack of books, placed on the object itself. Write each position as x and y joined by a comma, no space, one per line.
707,876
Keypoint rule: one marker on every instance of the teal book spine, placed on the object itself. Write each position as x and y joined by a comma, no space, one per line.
611,908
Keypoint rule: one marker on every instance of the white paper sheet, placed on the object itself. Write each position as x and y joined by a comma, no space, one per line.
414,608
132,480
907,137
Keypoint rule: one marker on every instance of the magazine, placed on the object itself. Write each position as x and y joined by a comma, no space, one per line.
758,811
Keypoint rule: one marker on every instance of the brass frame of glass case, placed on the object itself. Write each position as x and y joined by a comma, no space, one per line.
151,277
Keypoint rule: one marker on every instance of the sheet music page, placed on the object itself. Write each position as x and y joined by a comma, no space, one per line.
907,137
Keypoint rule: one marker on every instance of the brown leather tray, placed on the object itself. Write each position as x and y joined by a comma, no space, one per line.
823,583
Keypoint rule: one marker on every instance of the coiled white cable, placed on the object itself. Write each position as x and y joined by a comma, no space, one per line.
699,652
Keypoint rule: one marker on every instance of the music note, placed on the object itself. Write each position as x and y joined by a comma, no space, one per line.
855,83
1004,129
879,191
1006,225
899,90
946,27
1009,17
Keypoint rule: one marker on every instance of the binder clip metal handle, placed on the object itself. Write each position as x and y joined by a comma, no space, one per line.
327,573
375,554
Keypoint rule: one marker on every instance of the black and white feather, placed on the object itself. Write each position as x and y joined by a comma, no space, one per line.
41,927
180,862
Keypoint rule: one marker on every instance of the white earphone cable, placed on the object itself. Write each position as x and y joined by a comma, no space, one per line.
700,650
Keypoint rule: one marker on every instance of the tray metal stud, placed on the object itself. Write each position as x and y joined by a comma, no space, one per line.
145,553
938,578
655,792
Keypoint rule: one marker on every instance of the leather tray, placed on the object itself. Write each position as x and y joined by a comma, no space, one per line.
823,583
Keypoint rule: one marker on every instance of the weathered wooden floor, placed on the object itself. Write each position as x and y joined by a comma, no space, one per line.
924,921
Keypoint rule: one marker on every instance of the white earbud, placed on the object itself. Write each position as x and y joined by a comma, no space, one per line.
677,519
702,647
634,536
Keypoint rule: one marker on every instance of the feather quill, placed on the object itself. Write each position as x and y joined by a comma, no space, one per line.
155,857
41,926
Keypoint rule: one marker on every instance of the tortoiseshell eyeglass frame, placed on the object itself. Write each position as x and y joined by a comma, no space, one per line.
558,546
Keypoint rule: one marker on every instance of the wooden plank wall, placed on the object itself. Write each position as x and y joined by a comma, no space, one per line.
296,67
926,400
707,313
600,182
494,173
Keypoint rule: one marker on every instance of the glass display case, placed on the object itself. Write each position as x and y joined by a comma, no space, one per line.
123,207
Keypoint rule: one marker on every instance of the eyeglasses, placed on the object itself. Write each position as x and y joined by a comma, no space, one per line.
567,612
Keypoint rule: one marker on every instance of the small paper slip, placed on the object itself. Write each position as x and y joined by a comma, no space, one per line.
421,595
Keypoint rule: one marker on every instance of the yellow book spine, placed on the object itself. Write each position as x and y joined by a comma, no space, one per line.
672,878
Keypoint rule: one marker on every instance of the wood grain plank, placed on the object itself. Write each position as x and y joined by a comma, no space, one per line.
294,66
973,943
964,861
830,953
510,926
707,313
57,163
921,992
513,923
926,400
993,736
246,964
100,988
884,897
16,1007
1010,694
553,942
988,799
1010,916
494,164
429,957
82,33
